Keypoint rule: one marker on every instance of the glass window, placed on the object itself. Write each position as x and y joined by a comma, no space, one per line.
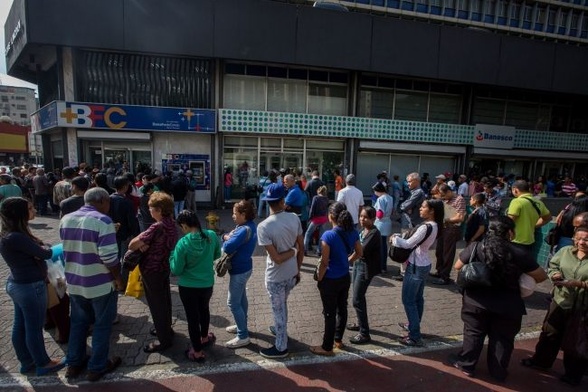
445,109
4,98
241,141
376,104
475,5
489,111
410,105
21,107
237,69
286,95
271,143
521,115
242,92
325,99
490,7
560,118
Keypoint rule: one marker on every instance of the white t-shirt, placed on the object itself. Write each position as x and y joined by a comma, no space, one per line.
353,199
280,230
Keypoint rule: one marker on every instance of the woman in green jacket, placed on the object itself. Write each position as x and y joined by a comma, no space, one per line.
192,261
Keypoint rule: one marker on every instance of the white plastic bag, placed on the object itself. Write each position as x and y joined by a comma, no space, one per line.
56,275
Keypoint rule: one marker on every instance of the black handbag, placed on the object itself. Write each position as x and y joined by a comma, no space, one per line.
132,259
553,236
575,338
475,274
400,255
223,264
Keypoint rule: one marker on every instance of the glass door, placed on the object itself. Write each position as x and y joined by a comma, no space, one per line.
141,161
116,158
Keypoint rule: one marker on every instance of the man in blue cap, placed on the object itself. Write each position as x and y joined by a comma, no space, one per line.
281,236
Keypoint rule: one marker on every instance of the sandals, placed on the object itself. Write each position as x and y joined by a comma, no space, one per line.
210,339
339,344
352,327
403,326
407,341
153,332
360,339
318,350
192,356
155,348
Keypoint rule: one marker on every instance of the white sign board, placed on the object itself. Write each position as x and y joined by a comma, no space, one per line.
494,136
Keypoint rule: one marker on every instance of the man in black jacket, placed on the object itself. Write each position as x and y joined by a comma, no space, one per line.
124,218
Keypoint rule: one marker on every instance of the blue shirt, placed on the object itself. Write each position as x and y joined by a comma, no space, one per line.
241,261
294,197
338,264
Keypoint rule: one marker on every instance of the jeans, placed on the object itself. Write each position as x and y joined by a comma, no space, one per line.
278,293
99,311
30,304
196,301
312,227
178,207
237,302
41,201
227,193
262,206
334,293
361,280
413,287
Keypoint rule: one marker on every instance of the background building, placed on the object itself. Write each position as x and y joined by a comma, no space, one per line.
431,86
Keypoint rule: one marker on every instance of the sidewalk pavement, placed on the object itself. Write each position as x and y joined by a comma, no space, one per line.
442,325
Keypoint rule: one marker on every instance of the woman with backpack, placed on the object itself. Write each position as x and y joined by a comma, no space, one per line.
417,270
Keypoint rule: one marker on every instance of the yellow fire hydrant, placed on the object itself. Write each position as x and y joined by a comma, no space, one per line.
212,220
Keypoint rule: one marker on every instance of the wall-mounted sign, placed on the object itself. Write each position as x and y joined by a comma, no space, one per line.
494,136
123,117
199,165
16,33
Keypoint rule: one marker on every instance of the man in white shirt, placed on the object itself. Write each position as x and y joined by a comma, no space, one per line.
463,189
351,197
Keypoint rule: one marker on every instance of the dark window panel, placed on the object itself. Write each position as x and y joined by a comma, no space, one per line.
277,72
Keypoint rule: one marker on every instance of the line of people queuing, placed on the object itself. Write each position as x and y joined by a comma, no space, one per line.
92,250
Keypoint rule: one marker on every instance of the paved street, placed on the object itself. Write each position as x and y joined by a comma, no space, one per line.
442,324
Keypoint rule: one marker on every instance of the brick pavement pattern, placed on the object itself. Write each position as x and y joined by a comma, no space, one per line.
442,322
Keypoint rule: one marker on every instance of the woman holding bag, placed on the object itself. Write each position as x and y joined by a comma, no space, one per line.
495,311
241,241
25,255
568,270
340,248
157,242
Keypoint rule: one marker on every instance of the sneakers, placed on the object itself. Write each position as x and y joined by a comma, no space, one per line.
360,339
231,329
236,342
273,353
111,365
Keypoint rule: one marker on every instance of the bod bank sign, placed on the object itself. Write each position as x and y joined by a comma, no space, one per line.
122,117
494,136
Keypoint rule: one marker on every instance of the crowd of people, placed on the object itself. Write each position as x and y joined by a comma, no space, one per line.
103,215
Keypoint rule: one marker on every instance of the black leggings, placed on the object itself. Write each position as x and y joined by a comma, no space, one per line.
196,305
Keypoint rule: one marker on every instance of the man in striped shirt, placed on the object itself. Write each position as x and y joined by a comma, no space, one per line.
92,271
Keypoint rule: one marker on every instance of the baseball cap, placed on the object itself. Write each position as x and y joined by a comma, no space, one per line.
441,177
274,192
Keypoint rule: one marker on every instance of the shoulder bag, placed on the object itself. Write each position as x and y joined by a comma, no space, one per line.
475,274
223,264
400,255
